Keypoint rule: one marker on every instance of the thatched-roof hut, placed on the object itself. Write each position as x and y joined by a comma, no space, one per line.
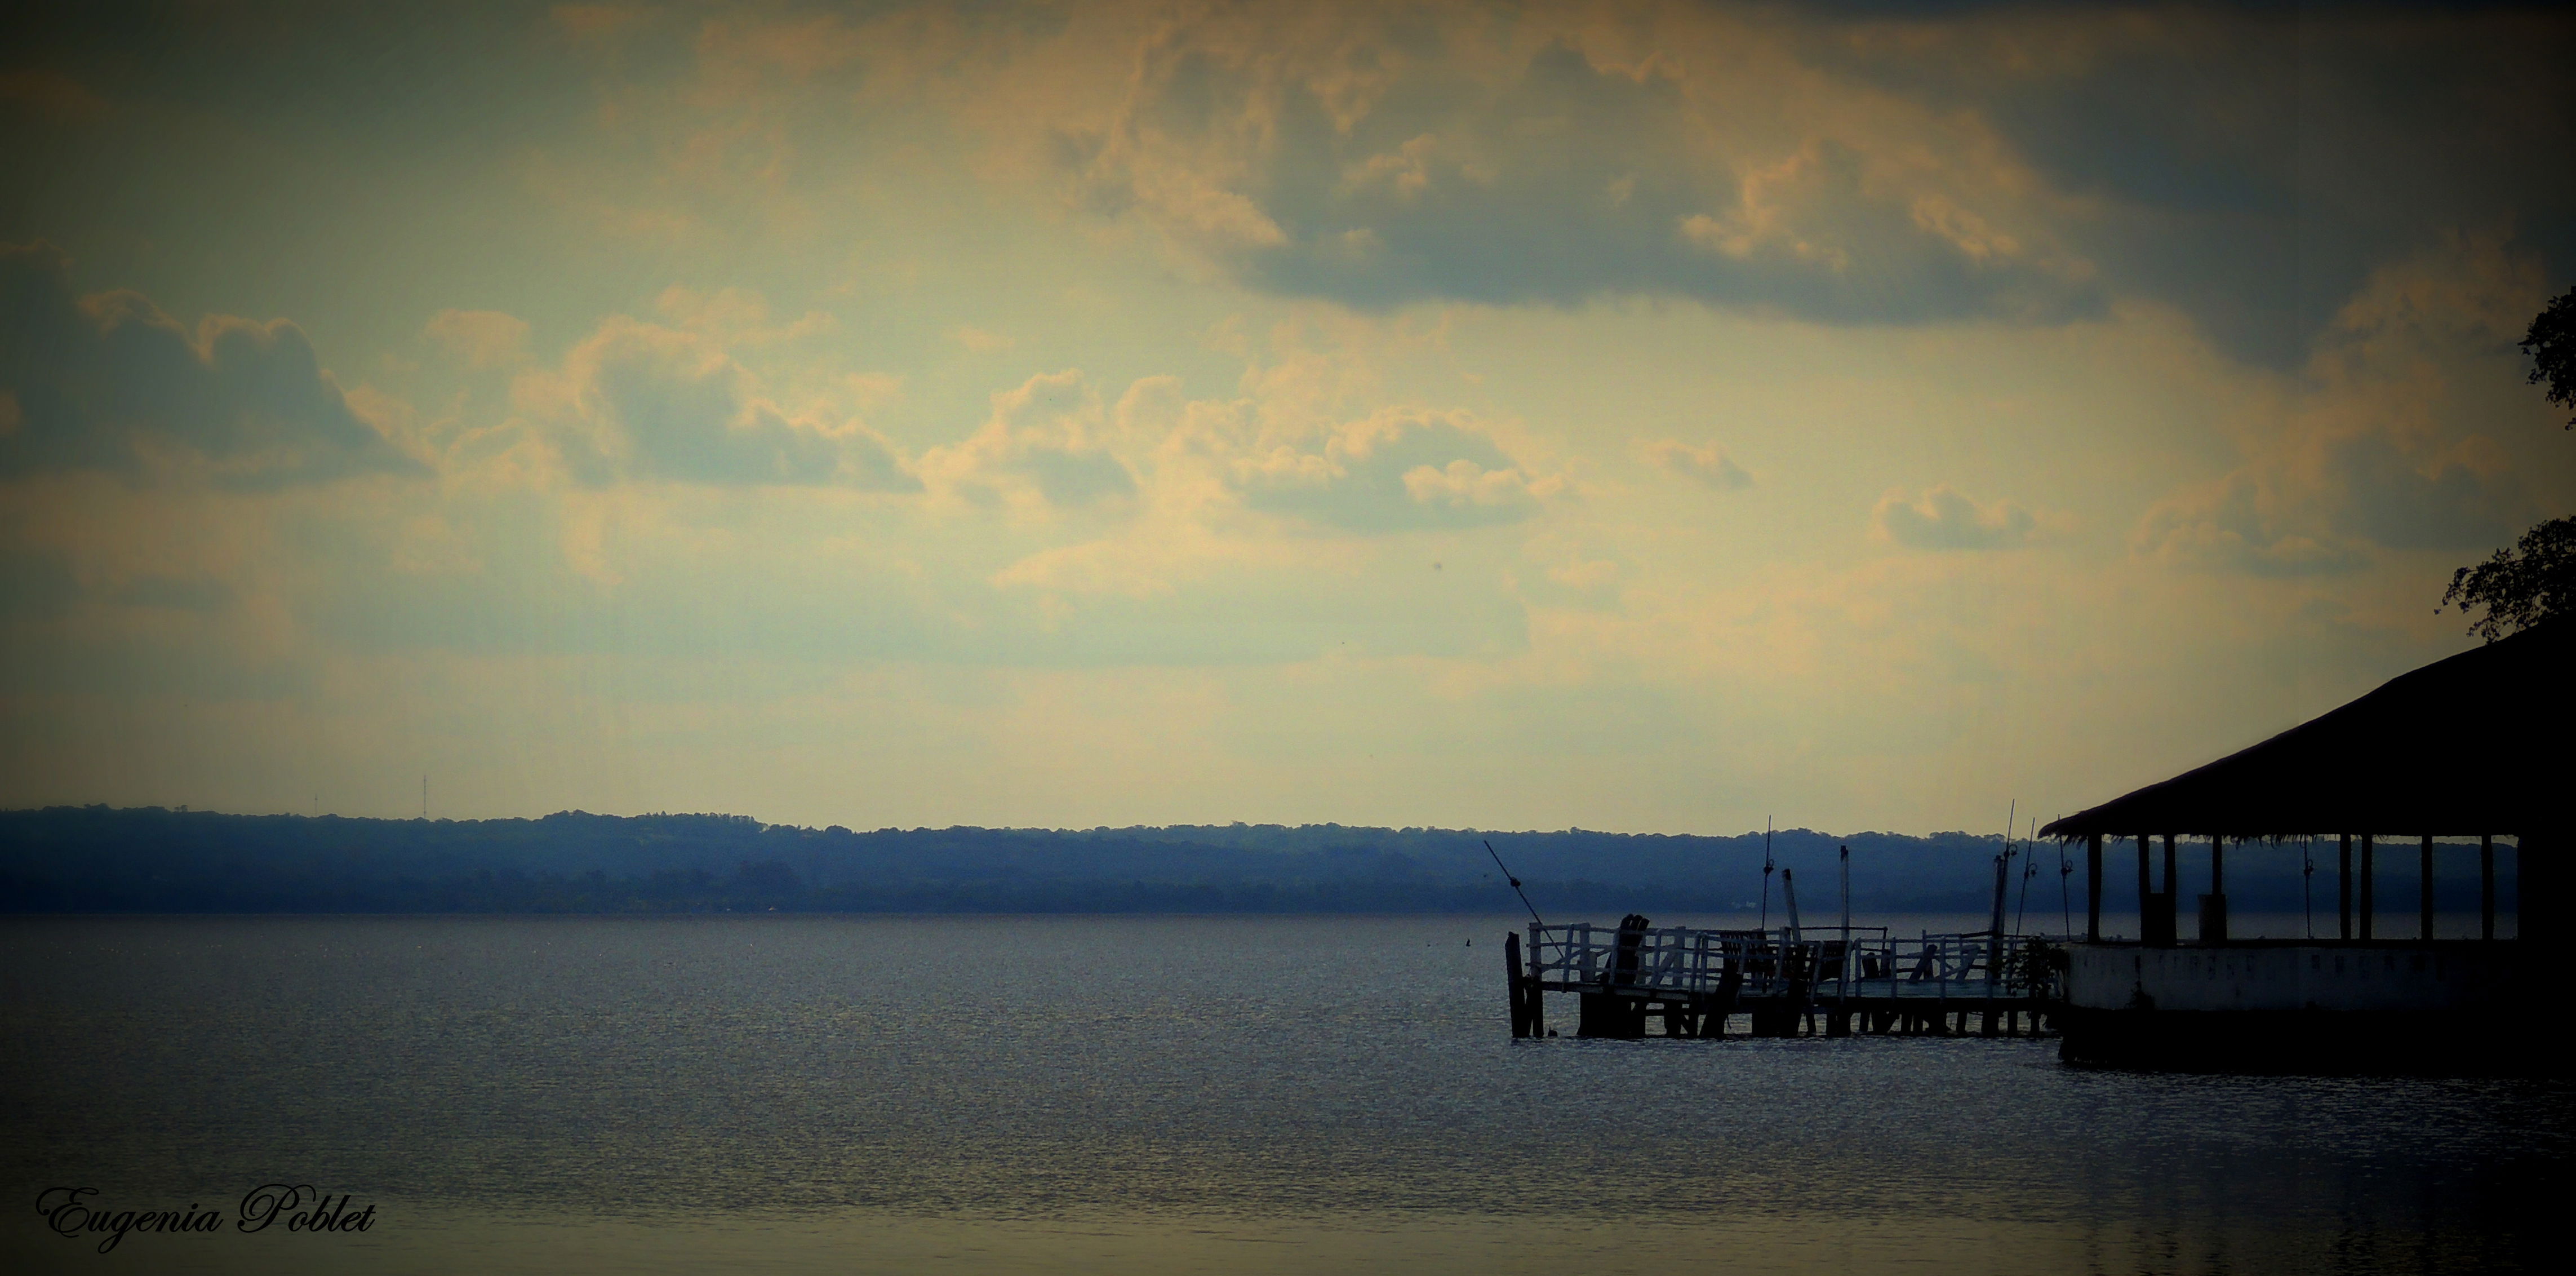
2481,744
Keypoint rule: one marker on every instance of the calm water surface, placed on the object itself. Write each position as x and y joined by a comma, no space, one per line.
1143,1094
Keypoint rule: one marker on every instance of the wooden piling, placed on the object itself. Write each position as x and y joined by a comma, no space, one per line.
2093,889
2486,886
1535,1001
1515,985
2213,906
2146,896
2424,902
2368,877
2343,886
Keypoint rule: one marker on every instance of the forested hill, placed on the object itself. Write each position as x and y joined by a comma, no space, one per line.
97,859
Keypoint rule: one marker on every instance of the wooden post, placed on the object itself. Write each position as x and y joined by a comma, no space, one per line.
1512,982
2343,886
2424,904
2146,895
2486,886
2213,908
2368,876
2540,883
1534,997
2172,898
2093,889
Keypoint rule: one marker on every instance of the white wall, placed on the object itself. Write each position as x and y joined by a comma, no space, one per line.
2325,977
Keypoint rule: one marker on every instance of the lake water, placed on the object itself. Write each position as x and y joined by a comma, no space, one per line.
1236,1094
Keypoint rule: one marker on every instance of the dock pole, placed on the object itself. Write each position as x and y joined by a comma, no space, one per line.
2343,886
1840,1024
2486,886
1536,996
2146,896
2424,904
2213,908
1514,986
2093,889
2368,876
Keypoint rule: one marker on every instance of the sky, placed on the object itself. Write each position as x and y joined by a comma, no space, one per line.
1640,417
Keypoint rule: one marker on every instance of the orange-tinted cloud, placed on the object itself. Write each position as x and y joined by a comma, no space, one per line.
109,382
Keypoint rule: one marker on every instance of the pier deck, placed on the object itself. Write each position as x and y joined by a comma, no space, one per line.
1786,982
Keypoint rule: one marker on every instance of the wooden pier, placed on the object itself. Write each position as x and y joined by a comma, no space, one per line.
1638,980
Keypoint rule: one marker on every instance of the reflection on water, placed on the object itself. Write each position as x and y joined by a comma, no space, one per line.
1078,1094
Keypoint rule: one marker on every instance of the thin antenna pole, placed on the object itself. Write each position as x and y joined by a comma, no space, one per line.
424,795
2003,867
2029,868
1765,924
1845,993
1516,884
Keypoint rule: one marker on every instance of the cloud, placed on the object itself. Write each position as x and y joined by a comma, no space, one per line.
736,317
2250,167
1705,463
2323,505
480,338
109,382
52,94
2379,450
2237,524
638,400
1378,161
1944,519
1843,164
594,22
1396,470
979,340
1043,446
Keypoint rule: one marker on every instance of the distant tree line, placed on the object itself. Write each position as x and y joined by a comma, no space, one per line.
150,860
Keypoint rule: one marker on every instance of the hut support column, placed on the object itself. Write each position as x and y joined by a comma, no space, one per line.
2172,898
2368,876
2343,886
2146,896
2093,889
2213,906
2486,886
2539,880
2424,902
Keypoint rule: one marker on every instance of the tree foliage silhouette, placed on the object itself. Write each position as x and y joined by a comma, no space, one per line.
2536,578
2551,343
2521,586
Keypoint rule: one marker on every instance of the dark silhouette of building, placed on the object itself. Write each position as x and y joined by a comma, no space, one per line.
2475,746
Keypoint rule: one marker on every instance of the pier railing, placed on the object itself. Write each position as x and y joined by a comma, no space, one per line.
1676,962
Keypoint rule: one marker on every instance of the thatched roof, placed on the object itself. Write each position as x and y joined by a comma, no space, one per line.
2478,743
